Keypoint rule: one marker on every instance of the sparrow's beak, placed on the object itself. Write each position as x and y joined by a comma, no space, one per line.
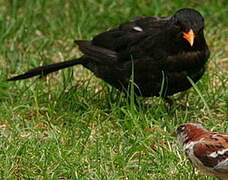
189,36
174,134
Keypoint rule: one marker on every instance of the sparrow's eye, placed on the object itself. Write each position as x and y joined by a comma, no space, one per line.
180,129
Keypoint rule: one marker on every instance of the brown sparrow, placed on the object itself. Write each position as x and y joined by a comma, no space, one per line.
205,149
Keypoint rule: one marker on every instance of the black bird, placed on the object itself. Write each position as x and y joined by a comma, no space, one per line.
157,53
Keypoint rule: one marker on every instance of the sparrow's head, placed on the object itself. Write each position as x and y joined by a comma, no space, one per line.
190,23
189,132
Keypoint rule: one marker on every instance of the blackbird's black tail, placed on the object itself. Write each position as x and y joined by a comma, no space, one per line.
44,70
97,54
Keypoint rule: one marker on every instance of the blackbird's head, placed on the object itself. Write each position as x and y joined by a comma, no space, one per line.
190,22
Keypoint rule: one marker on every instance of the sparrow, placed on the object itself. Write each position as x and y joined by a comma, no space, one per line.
155,54
206,150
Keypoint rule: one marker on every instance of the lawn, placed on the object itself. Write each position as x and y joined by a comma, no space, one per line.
72,125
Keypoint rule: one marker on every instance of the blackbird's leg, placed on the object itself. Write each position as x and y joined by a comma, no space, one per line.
168,100
183,94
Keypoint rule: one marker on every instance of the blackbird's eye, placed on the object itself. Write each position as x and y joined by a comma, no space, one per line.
177,26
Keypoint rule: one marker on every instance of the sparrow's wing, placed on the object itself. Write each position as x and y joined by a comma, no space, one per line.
223,166
213,152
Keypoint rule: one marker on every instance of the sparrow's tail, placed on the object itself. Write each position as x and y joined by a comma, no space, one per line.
44,70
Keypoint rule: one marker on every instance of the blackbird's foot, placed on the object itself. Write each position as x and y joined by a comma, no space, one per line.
168,101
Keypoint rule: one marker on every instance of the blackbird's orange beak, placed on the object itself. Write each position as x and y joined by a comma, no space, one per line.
189,36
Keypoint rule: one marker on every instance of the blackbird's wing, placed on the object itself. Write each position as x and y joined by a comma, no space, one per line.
146,23
131,32
119,43
96,53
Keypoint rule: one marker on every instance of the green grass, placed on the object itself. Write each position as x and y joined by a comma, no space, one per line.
72,125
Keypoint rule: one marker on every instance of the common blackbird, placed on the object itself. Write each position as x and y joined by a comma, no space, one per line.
155,54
